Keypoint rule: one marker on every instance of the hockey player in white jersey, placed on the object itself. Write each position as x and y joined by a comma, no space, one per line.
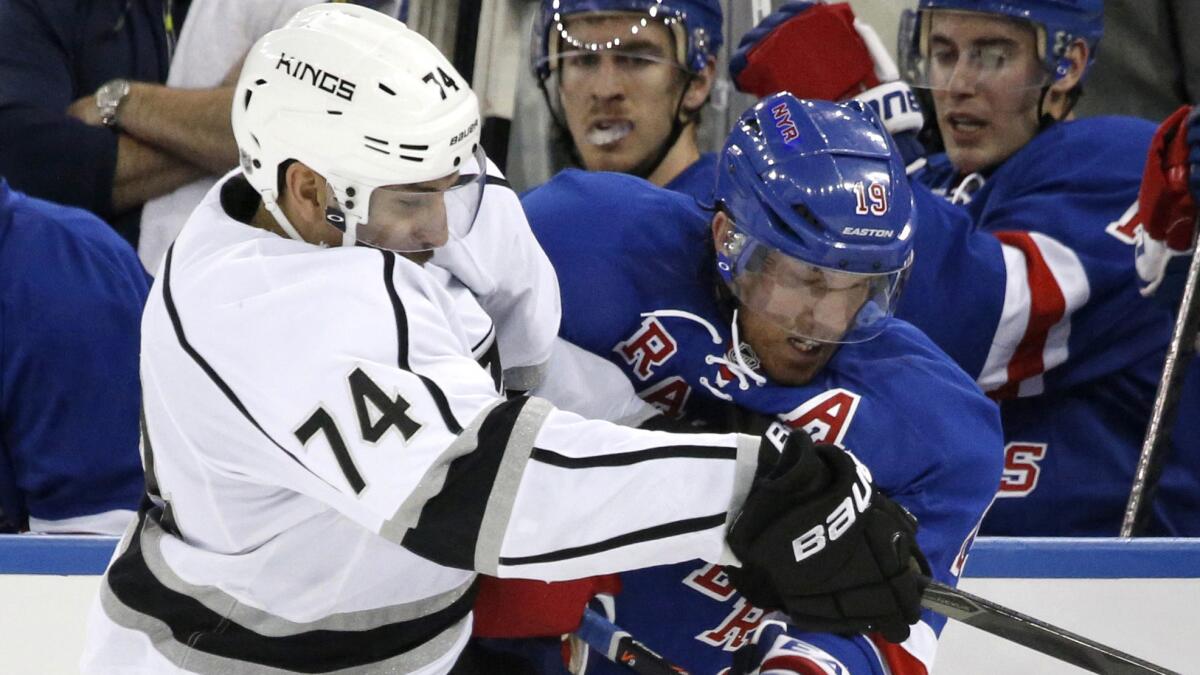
328,464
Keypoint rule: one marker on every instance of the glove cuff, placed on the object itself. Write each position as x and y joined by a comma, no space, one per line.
896,106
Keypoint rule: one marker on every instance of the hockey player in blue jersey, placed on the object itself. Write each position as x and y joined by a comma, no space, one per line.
73,293
625,81
779,302
1027,280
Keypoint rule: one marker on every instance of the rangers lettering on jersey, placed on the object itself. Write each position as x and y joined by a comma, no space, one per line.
825,417
650,346
669,396
736,629
1022,469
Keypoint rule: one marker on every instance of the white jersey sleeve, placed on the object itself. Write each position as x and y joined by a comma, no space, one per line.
585,384
505,267
346,375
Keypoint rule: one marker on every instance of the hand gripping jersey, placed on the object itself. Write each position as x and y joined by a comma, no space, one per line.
328,466
637,273
72,295
1031,287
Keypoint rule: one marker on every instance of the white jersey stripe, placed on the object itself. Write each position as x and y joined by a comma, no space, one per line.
1046,284
1073,283
1014,318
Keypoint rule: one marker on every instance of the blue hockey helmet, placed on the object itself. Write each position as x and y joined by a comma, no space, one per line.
696,25
1058,23
822,215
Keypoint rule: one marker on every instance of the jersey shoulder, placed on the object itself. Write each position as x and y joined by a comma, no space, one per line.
612,212
1090,156
699,179
619,246
912,390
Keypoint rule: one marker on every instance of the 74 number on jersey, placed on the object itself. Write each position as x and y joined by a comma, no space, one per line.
393,413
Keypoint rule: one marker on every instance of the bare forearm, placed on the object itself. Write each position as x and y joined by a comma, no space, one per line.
145,172
190,123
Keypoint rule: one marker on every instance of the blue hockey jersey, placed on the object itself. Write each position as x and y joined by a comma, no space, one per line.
1031,288
699,179
637,273
72,294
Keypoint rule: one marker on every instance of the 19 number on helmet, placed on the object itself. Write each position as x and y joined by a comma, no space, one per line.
877,194
393,413
446,81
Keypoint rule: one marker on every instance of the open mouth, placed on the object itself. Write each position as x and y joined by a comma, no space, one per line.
608,132
804,346
965,124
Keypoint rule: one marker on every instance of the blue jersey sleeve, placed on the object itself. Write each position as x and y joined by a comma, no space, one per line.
73,293
1039,263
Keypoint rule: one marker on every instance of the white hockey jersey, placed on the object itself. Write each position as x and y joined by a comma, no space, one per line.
328,466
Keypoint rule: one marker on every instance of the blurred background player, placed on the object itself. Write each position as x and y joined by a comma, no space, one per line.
376,448
72,294
625,82
1035,258
778,302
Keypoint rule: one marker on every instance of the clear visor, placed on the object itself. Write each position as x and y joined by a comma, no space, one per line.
948,50
420,217
812,302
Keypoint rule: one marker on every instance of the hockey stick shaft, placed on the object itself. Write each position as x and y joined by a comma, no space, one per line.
1033,633
619,647
1157,446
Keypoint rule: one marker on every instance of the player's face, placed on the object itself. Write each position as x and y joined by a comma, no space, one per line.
409,217
619,103
786,358
985,75
787,303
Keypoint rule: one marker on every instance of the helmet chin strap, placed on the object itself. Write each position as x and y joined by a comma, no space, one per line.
273,208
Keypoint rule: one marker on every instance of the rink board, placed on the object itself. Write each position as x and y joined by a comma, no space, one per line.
1141,596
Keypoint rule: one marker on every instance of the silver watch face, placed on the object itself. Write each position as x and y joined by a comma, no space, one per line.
108,100
111,93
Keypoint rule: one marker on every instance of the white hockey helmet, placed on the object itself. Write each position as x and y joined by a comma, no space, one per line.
375,109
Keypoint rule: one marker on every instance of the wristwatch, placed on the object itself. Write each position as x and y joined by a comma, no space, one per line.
109,98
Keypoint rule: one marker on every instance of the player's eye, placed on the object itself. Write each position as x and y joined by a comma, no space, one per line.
581,61
994,57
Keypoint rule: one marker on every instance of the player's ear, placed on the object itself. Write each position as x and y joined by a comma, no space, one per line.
722,226
305,191
699,87
1077,55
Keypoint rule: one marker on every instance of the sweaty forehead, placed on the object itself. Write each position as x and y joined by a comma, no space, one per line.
964,28
604,26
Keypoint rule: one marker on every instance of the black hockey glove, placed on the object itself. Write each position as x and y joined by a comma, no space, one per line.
818,541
